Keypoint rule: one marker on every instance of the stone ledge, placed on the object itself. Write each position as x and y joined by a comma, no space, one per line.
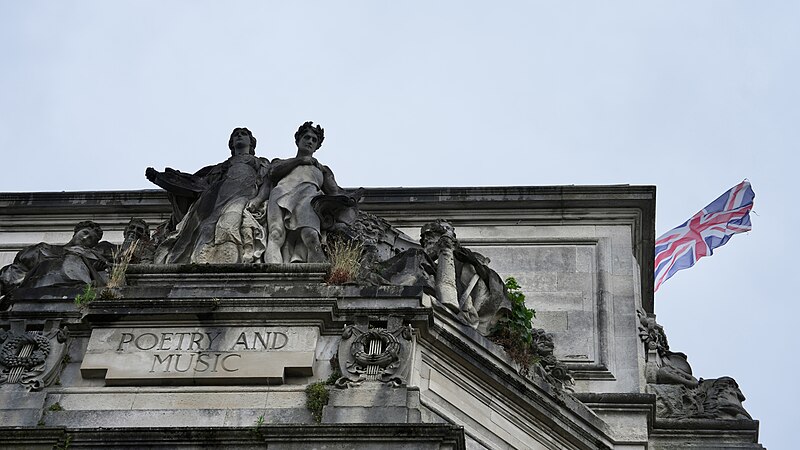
707,434
340,436
706,424
616,398
227,268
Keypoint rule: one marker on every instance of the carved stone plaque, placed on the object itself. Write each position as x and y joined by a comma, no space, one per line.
199,355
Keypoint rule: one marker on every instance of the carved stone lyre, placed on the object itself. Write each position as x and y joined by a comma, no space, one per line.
32,359
374,355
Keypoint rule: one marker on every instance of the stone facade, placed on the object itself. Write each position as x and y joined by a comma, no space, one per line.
147,368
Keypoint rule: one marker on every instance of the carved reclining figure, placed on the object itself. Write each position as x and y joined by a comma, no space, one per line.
679,394
83,260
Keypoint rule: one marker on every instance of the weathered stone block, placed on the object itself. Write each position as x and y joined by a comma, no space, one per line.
17,397
366,415
369,395
20,417
197,355
576,282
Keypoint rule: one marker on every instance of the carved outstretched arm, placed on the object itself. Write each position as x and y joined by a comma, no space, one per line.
330,187
176,182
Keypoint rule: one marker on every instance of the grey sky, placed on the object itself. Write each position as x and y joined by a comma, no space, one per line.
691,97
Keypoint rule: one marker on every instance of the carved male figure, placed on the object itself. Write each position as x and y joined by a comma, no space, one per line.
722,399
294,226
79,262
459,278
137,233
217,211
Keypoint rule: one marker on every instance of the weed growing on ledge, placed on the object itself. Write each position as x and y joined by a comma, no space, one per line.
122,260
515,332
345,258
256,430
55,407
87,296
66,445
334,376
317,397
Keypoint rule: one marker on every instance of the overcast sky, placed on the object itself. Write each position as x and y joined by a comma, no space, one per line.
692,97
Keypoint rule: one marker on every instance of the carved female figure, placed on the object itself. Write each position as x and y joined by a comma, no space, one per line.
226,203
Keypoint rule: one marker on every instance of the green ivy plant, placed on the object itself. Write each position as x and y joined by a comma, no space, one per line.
514,331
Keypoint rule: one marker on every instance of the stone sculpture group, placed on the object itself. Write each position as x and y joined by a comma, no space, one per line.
248,210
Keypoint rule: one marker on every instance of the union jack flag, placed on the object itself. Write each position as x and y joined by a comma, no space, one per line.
681,247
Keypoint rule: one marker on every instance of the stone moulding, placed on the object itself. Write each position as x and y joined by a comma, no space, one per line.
484,367
350,436
705,433
403,207
282,269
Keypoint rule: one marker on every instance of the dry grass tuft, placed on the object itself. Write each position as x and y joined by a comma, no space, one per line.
121,261
345,258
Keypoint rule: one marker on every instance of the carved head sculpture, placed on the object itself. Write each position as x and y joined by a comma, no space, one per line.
239,138
435,235
314,134
723,398
542,342
136,229
87,234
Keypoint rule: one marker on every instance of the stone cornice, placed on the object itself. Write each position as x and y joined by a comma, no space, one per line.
404,207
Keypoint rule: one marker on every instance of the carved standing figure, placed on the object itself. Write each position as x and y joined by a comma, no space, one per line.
294,226
79,262
217,210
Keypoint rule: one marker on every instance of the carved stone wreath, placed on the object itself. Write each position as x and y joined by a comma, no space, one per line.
9,354
32,359
390,344
375,355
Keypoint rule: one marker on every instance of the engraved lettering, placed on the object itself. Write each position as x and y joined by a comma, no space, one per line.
241,341
196,338
216,361
261,339
159,360
186,354
202,361
165,339
122,340
138,343
211,339
180,339
226,369
284,340
178,360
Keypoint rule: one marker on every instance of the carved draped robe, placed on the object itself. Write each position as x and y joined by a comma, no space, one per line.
47,265
218,228
293,195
